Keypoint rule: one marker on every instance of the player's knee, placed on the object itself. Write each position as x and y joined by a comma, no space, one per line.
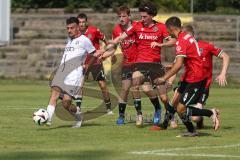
125,90
55,94
164,98
181,109
72,108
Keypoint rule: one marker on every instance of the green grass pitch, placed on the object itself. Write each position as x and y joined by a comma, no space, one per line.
101,138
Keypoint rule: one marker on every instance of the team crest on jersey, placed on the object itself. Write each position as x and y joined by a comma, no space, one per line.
178,48
89,36
155,29
185,97
201,50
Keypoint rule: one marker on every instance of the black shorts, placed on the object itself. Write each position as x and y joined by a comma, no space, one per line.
127,71
191,92
204,96
97,72
151,71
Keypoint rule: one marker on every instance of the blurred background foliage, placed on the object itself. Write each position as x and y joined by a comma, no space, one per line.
200,6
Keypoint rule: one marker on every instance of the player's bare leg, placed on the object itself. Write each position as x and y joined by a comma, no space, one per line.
103,86
55,92
122,102
148,90
162,90
137,80
67,104
182,112
198,119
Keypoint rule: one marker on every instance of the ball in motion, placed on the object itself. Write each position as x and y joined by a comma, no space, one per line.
40,116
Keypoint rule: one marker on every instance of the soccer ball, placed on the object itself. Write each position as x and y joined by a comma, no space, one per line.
40,116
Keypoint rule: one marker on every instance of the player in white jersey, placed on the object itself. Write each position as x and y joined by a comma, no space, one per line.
69,76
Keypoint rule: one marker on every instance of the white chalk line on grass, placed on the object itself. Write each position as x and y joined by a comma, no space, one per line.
166,151
194,155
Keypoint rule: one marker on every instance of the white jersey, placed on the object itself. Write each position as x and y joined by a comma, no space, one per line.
77,48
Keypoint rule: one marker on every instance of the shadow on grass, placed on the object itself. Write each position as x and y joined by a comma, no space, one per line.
61,155
221,128
203,134
69,126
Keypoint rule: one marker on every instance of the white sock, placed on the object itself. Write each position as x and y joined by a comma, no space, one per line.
78,115
78,111
50,110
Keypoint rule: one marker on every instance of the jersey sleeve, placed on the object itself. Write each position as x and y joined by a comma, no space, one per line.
100,35
131,30
165,32
214,50
181,49
89,46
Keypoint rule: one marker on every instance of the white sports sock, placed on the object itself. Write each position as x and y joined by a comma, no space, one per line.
78,115
50,110
78,111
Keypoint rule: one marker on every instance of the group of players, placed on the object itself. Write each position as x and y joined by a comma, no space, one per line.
141,43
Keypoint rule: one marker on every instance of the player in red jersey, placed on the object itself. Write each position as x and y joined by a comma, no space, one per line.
95,35
129,51
193,78
128,48
207,50
148,60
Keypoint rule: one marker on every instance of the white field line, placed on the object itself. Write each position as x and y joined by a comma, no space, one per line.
166,152
194,155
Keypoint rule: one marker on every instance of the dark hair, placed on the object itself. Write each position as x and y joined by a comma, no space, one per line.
189,28
173,21
148,7
123,9
82,16
72,20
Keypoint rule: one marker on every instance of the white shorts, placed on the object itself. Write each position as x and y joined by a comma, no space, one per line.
69,78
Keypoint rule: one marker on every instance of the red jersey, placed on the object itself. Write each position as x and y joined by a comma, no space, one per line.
187,47
207,51
144,37
95,35
128,45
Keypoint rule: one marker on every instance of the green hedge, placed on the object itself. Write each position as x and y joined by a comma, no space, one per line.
164,5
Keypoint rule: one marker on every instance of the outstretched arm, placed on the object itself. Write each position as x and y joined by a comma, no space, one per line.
175,68
221,78
169,43
113,44
94,57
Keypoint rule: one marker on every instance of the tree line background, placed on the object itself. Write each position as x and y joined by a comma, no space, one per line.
200,6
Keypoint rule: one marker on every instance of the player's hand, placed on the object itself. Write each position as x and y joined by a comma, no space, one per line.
221,80
102,57
155,44
159,81
98,53
169,86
